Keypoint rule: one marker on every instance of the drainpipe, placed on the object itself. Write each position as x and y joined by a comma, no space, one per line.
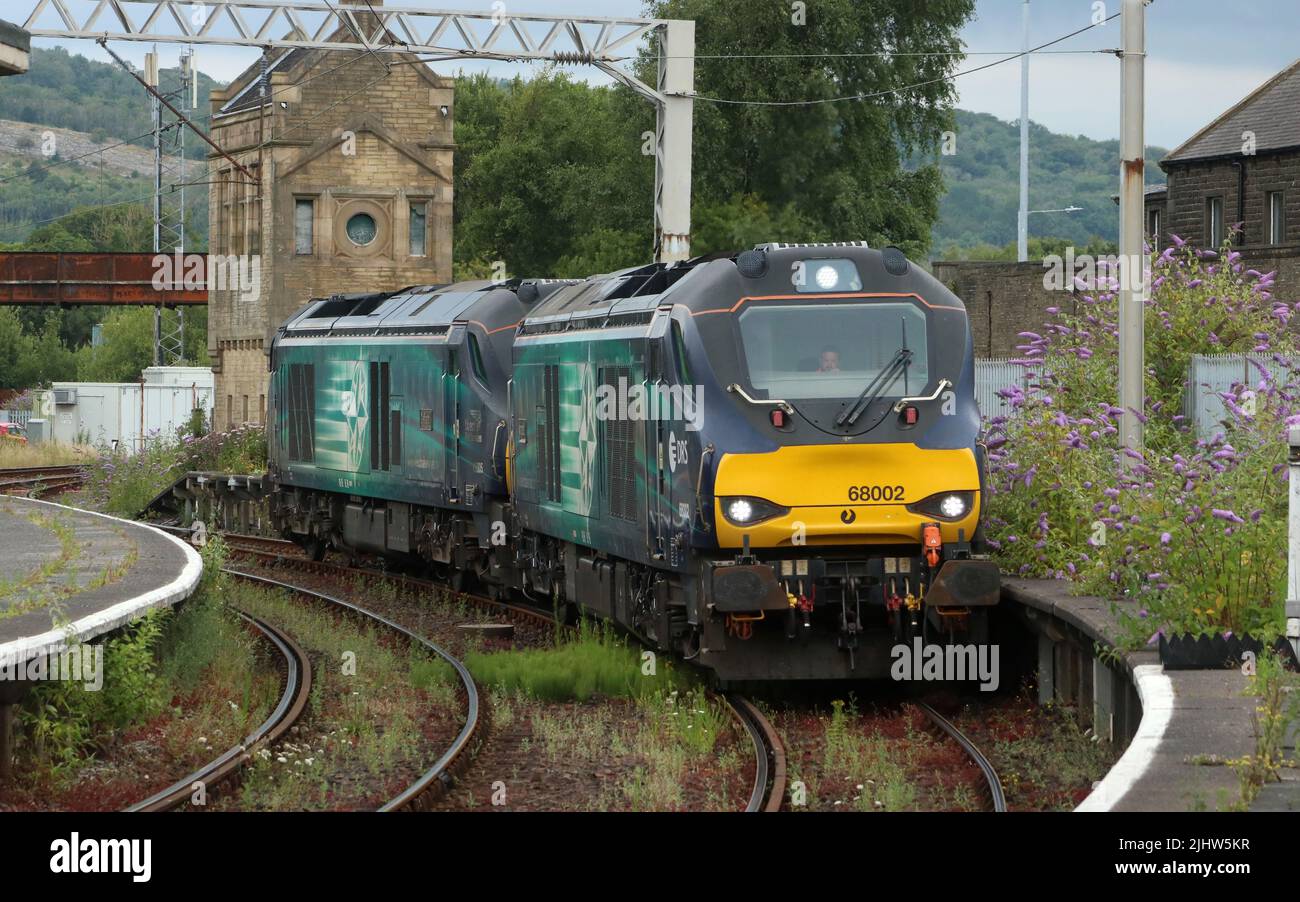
1241,199
1293,541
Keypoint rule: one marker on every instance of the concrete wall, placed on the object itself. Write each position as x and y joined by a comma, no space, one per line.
1002,299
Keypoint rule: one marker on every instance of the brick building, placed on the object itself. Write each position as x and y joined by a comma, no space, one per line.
1244,167
351,159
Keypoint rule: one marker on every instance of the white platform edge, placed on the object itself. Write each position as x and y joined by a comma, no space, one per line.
1156,692
93,625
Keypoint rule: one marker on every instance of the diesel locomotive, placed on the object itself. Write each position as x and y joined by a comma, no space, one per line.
764,462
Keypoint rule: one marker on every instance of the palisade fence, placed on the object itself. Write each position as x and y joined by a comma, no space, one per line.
1207,376
992,374
17,417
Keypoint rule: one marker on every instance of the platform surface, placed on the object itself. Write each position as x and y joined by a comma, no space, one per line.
68,575
1193,721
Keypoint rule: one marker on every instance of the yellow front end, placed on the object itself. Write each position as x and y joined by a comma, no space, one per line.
836,494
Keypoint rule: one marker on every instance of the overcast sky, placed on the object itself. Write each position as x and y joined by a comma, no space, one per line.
1203,56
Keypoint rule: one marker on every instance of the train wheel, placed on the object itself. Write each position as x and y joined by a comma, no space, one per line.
316,548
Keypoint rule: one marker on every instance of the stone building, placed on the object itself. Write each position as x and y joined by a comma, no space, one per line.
350,155
1244,167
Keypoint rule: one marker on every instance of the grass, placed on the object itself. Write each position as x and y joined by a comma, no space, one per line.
68,551
46,454
372,703
645,751
592,662
186,682
851,754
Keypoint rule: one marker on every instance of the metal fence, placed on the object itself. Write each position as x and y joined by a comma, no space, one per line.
1207,376
1210,374
992,374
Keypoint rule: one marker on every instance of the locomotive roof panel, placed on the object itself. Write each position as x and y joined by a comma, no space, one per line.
492,306
719,282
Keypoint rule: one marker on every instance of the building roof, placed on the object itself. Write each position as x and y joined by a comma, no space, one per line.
1271,111
244,91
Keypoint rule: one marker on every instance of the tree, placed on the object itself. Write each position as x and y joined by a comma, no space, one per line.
550,176
839,164
126,350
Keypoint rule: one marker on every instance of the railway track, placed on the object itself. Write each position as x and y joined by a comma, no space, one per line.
37,482
996,798
769,785
293,701
769,753
439,773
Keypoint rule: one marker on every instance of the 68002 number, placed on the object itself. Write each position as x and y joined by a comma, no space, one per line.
876,493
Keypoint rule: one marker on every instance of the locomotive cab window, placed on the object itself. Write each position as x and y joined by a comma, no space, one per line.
824,351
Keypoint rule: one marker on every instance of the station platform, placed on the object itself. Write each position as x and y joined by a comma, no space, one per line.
68,576
1192,721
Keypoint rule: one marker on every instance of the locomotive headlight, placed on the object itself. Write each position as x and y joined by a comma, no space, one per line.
945,505
740,510
747,510
827,278
952,506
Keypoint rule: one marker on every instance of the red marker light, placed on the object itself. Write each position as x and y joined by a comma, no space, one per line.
778,418
910,415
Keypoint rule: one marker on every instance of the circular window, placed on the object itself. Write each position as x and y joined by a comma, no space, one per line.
361,229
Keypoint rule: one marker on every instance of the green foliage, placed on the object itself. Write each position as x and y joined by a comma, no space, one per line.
1193,529
61,719
585,174
124,484
107,102
29,358
1036,249
839,165
977,214
126,350
828,171
594,662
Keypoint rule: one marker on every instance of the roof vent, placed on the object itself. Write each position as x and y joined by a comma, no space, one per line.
752,264
776,246
895,262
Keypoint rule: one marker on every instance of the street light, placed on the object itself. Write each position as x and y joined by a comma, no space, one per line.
1062,210
1022,244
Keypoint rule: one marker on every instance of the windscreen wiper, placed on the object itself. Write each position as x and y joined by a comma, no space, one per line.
902,359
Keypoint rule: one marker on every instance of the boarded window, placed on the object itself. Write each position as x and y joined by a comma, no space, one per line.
620,454
419,228
304,226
